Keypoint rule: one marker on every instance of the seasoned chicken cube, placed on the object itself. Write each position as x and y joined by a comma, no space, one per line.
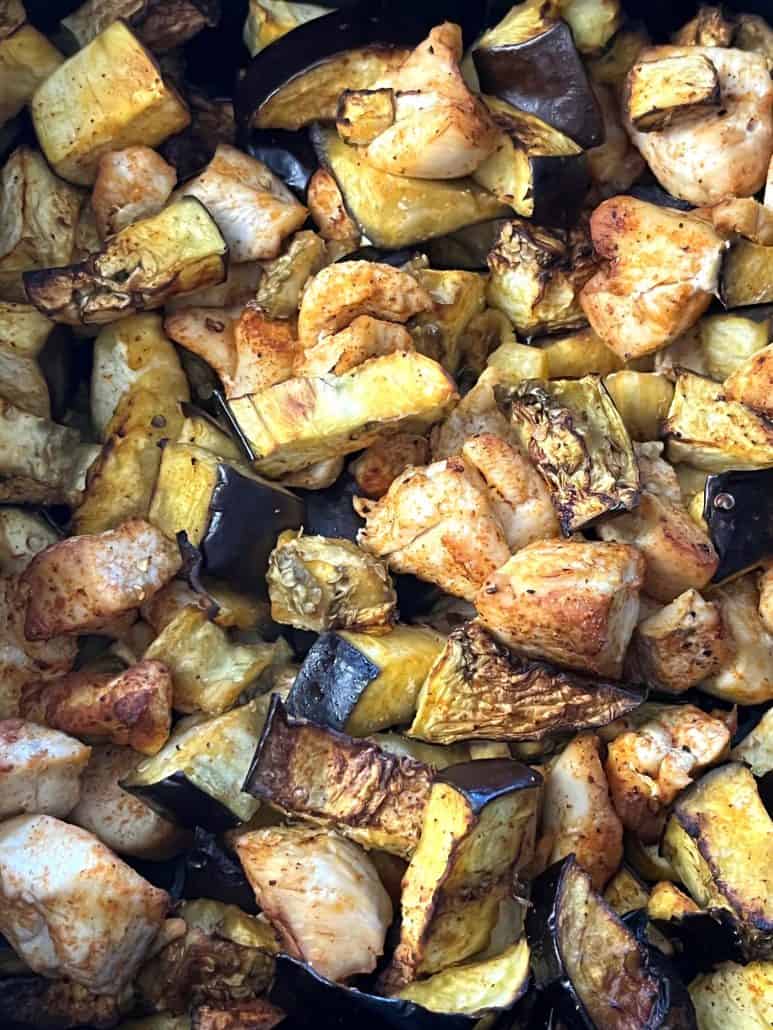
323,895
364,338
574,602
71,908
437,523
662,268
647,767
327,208
133,708
131,184
40,769
379,465
80,584
746,676
253,208
578,815
682,644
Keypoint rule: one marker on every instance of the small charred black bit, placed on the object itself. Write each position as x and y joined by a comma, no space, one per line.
738,512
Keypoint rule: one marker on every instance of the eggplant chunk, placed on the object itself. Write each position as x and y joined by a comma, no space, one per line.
217,503
360,683
734,997
82,583
706,430
537,275
568,601
130,709
107,96
141,267
309,772
121,821
302,421
648,766
756,748
752,382
746,675
441,332
288,864
625,892
38,220
160,26
41,769
197,778
599,973
575,436
682,644
365,113
268,21
643,400
660,269
320,583
670,90
709,27
253,208
55,881
23,335
725,151
28,1000
478,830
379,465
747,275
281,287
131,184
477,689
209,672
719,840
530,60
23,534
27,58
394,211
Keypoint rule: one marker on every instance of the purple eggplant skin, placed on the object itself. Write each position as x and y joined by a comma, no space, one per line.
559,186
544,76
330,682
330,512
738,511
289,155
180,801
312,1001
486,779
702,940
210,872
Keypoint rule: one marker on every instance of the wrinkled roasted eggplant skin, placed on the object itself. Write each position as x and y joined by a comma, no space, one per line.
331,660
738,511
36,1003
180,801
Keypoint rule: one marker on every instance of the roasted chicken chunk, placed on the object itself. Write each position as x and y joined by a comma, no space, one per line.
41,769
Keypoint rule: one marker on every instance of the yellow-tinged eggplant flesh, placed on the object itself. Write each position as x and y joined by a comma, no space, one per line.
310,772
625,892
363,114
301,421
196,778
478,829
478,690
279,292
756,748
747,275
178,250
320,583
535,169
734,997
394,211
643,400
218,504
719,840
457,297
107,96
593,966
610,67
670,90
575,436
23,335
27,58
705,430
200,430
576,355
360,683
269,20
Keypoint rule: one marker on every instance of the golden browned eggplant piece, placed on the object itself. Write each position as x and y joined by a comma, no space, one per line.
457,297
23,335
178,250
573,433
27,58
281,287
670,90
107,96
734,997
643,400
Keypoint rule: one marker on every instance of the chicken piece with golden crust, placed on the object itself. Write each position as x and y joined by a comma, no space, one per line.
647,767
254,210
578,815
80,584
439,129
310,882
366,337
765,606
133,708
661,270
573,602
72,909
335,297
327,209
724,153
131,184
40,769
752,382
438,524
746,676
379,465
679,646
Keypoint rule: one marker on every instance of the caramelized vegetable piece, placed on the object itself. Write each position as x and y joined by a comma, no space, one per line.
379,465
746,675
41,770
27,58
669,90
734,997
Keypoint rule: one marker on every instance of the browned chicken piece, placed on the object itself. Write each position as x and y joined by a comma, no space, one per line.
765,607
746,676
327,208
253,208
647,767
517,492
574,602
131,709
678,554
256,1014
708,28
310,882
131,184
366,337
578,815
379,465
661,270
682,644
80,584
752,382
40,769
437,523
339,293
